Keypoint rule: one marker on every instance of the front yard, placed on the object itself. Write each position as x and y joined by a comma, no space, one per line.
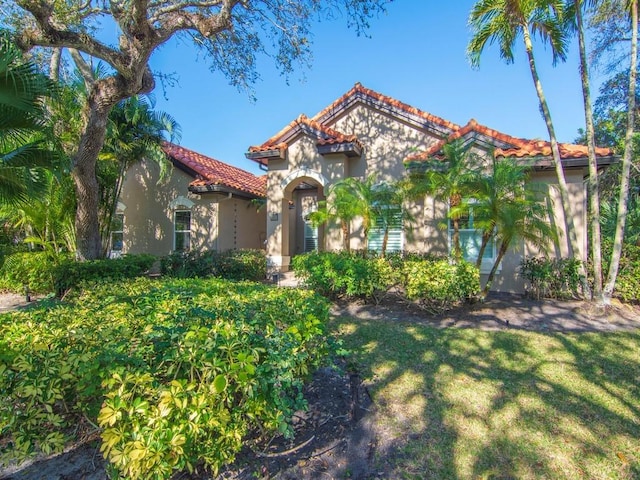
472,404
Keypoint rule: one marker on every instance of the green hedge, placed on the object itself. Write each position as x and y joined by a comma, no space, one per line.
174,372
438,284
433,282
35,270
628,281
243,264
344,274
552,278
70,273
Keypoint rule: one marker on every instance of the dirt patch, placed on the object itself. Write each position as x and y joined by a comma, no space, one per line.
502,311
336,437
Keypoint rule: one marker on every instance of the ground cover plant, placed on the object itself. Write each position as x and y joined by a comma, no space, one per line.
172,374
470,404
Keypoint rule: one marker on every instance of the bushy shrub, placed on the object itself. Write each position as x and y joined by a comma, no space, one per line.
344,274
628,281
552,278
70,273
34,270
174,372
243,264
440,285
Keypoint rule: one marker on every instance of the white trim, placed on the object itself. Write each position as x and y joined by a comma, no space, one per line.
181,203
176,231
304,172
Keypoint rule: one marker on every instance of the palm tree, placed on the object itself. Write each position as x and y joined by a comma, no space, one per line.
135,132
521,217
503,21
24,153
575,19
623,199
449,180
339,207
387,200
504,181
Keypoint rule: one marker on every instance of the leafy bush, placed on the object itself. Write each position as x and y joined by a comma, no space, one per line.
71,273
439,285
628,281
344,274
232,264
174,372
34,270
552,278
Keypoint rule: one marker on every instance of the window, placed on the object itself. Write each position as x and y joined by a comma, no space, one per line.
117,234
182,230
310,236
471,240
389,219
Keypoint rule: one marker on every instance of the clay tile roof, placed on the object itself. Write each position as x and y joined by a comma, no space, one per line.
517,147
541,148
472,127
360,90
209,171
324,134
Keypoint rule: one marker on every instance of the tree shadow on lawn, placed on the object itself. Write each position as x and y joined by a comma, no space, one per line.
465,403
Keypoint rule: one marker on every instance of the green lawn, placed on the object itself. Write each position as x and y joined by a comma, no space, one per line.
470,404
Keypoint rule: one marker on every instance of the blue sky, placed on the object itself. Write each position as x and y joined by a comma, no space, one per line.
415,53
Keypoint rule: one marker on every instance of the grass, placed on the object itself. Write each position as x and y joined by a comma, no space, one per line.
470,404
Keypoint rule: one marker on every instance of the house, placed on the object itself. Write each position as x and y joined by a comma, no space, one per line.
365,132
202,204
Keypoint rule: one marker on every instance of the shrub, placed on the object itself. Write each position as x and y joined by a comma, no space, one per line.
628,281
233,264
552,278
34,270
71,273
344,274
174,372
438,285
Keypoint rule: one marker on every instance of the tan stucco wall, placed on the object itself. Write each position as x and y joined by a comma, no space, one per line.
217,222
387,141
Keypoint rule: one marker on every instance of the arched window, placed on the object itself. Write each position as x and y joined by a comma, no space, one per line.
116,240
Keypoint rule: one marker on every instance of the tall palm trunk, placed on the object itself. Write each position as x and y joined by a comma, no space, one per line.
574,248
345,235
623,199
593,188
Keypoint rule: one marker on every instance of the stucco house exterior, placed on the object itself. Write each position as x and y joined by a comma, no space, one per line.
365,132
203,204
207,204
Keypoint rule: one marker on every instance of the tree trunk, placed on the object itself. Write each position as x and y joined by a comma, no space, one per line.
593,187
385,240
345,235
486,236
84,174
623,199
457,250
574,249
501,253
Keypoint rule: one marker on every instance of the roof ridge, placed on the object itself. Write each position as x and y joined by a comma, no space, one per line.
361,89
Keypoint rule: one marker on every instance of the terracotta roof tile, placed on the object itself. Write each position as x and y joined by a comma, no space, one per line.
358,89
210,171
325,135
471,127
541,148
519,147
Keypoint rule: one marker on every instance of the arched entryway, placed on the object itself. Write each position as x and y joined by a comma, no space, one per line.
289,230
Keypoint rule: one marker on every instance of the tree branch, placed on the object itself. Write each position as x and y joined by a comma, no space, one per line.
48,34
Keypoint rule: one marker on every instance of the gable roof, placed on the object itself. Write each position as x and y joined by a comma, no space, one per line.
507,146
361,94
213,175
